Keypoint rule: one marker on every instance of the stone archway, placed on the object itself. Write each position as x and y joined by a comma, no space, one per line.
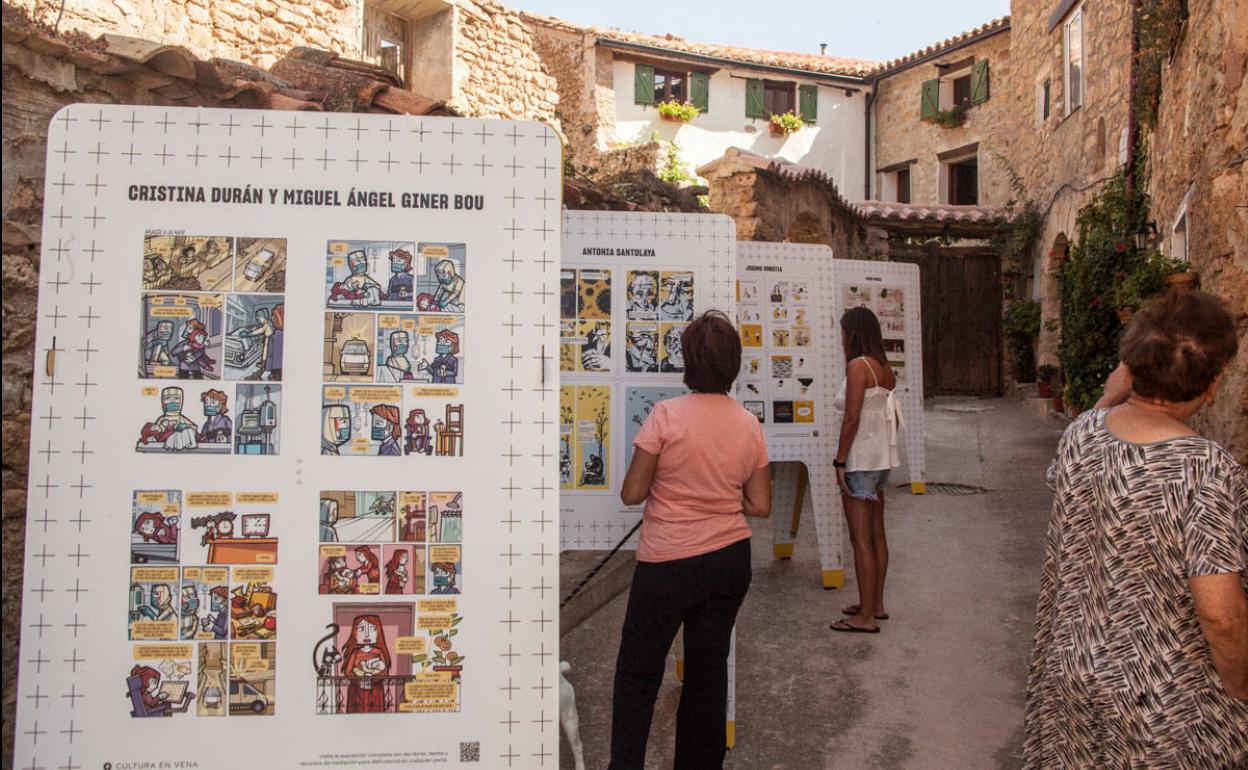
1051,301
807,228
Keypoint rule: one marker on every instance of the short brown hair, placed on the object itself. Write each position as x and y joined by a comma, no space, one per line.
712,352
1177,344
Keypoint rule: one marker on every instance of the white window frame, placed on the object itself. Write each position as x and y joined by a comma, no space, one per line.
945,101
1180,229
1076,15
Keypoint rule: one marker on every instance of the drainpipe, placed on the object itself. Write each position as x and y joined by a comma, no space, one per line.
866,181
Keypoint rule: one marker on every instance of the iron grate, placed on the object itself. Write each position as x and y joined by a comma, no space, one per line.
947,488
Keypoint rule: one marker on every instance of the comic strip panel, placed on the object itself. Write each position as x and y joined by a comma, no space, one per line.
253,604
231,528
212,677
352,516
172,428
641,347
671,359
441,278
404,570
188,262
349,340
258,429
412,520
446,569
433,427
638,403
592,435
420,349
676,295
369,274
445,517
253,678
349,569
361,420
159,683
567,440
890,307
642,299
569,346
154,519
260,265
181,336
593,289
595,343
254,330
153,614
567,293
204,604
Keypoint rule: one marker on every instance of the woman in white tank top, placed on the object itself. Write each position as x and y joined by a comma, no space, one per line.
867,450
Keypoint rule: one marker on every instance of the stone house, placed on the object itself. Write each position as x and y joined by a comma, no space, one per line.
475,55
611,82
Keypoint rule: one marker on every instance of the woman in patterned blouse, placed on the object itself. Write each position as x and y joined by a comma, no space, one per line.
1141,652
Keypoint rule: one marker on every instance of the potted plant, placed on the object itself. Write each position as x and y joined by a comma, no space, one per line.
677,112
953,117
1046,377
1182,279
785,123
1147,274
1022,327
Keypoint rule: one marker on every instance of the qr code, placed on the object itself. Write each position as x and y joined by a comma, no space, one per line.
470,752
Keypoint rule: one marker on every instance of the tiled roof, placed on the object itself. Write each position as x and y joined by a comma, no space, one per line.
814,63
971,35
929,213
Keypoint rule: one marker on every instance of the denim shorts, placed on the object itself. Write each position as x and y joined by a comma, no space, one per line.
864,485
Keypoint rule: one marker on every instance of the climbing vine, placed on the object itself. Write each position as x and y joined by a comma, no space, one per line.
1158,28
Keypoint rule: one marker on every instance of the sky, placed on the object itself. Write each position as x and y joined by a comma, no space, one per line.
859,29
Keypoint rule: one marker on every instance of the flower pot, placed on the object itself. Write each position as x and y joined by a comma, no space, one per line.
1045,389
1182,282
1057,403
777,130
672,118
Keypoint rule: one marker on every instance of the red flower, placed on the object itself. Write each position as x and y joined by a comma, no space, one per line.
1121,247
1096,302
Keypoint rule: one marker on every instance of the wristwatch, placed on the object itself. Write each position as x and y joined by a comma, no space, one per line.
838,464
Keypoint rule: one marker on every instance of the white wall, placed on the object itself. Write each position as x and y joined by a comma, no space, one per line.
834,145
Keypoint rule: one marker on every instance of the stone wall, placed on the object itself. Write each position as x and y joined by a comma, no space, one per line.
569,56
1065,159
498,74
1199,144
901,136
254,31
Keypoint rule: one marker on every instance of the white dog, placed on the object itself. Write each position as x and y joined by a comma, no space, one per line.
568,719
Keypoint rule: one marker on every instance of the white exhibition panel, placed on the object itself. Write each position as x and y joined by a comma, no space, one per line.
630,282
232,303
790,376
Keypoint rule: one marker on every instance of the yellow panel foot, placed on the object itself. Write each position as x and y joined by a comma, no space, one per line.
680,670
834,578
918,487
782,550
731,731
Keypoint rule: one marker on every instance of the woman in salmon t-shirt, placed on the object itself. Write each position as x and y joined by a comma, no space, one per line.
700,466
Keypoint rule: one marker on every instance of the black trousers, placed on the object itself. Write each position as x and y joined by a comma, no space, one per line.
703,593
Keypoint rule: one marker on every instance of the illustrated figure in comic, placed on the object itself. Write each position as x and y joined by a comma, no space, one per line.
369,568
359,287
673,357
158,345
218,619
268,325
449,296
337,578
191,352
445,366
444,573
188,261
147,700
156,271
642,295
396,572
189,608
418,440
596,350
640,347
401,279
565,461
365,657
218,526
678,305
329,520
217,424
159,605
399,365
172,428
593,474
155,527
335,428
386,430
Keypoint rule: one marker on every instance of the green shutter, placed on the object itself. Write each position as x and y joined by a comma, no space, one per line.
979,82
643,84
700,90
808,103
755,103
929,104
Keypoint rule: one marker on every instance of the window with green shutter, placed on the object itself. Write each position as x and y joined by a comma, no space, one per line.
643,84
929,100
808,103
755,105
700,90
979,82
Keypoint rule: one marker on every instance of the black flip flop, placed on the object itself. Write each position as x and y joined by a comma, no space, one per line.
848,611
846,628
